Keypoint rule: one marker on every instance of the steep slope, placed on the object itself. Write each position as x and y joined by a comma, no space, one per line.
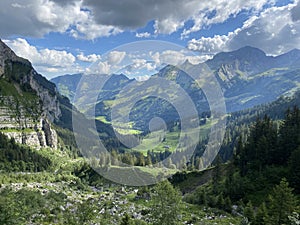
247,76
28,102
67,85
31,109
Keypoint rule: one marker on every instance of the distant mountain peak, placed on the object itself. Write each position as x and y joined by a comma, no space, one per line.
249,48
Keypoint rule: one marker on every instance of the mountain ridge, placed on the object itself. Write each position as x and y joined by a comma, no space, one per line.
247,77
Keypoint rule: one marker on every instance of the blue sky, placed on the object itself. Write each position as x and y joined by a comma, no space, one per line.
67,36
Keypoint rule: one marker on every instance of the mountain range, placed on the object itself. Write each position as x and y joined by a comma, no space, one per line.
247,76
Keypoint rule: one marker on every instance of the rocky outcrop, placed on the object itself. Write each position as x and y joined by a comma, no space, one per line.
50,103
27,120
26,130
50,134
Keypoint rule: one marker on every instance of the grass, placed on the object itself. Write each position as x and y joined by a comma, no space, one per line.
9,130
160,141
28,100
103,119
271,72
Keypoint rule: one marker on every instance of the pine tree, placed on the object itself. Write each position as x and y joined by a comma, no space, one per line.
216,175
261,215
282,203
166,201
295,170
228,205
289,136
249,212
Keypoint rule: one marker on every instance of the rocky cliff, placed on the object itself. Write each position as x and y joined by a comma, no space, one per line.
28,102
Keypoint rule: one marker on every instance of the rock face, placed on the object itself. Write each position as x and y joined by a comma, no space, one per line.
50,103
34,131
28,102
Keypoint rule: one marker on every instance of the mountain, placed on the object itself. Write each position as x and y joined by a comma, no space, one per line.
33,112
247,76
28,102
67,84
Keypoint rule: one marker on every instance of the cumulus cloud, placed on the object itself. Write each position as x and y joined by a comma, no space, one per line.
167,26
218,11
169,15
91,19
174,57
107,64
210,45
45,60
88,58
88,29
296,12
139,64
275,31
37,17
116,57
103,68
143,35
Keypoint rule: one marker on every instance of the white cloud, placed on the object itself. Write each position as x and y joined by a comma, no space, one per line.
138,65
90,19
37,17
116,57
89,30
218,11
275,31
173,57
44,60
210,45
88,58
142,78
103,68
143,35
169,15
109,63
167,26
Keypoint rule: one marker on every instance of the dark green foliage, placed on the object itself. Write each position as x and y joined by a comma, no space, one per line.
295,170
126,220
289,136
19,207
166,201
282,203
249,212
17,70
261,216
259,164
14,158
266,152
259,150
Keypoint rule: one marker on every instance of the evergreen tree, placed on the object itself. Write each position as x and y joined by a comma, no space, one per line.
289,136
261,215
216,175
165,207
295,170
282,203
249,212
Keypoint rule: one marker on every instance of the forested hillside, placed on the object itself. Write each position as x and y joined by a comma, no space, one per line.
263,177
